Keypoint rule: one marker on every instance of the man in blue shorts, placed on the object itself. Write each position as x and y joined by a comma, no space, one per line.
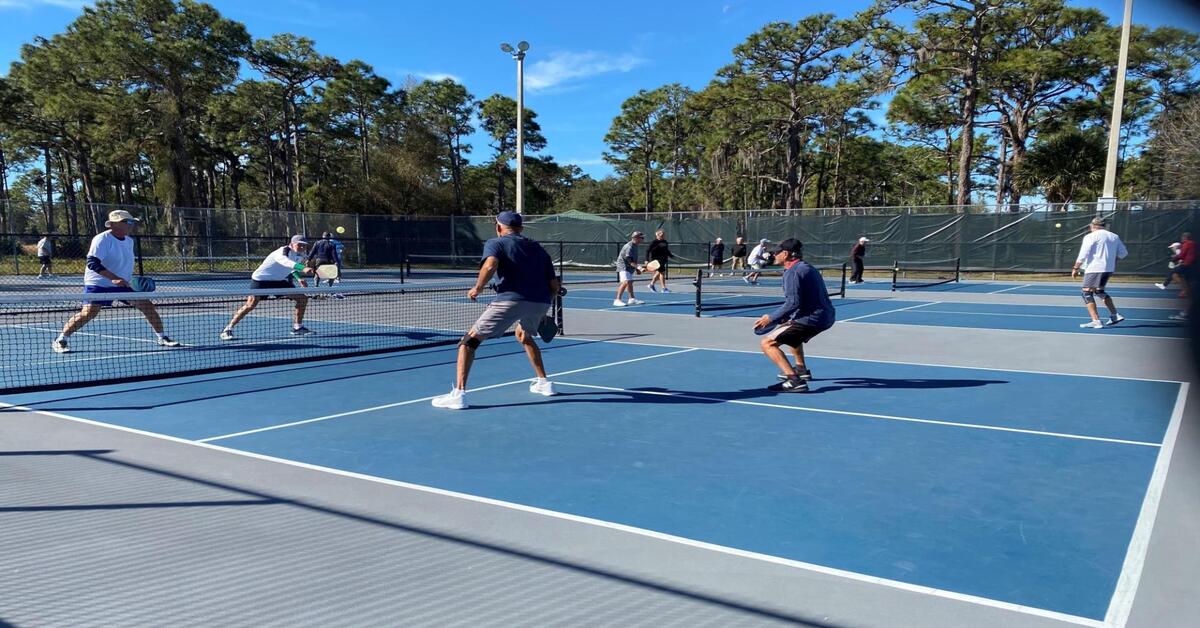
806,312
527,286
110,270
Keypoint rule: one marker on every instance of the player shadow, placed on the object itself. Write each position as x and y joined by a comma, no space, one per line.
658,394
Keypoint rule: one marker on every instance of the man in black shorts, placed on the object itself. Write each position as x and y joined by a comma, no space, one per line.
324,253
806,312
276,272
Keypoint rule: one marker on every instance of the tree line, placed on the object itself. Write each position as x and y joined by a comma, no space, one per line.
167,102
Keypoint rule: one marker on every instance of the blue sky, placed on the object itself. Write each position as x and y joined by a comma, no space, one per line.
585,59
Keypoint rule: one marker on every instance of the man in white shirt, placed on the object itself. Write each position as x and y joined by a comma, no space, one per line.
45,249
759,256
277,272
1098,257
110,270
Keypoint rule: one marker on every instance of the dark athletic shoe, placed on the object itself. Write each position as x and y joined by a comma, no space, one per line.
794,384
805,375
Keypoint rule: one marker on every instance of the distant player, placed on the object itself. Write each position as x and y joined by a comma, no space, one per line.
759,257
45,251
806,312
627,267
857,252
527,287
659,251
716,255
277,271
110,270
1098,255
739,253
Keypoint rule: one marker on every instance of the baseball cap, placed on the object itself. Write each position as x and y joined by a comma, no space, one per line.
863,239
1174,245
509,219
791,245
299,239
120,215
764,241
637,234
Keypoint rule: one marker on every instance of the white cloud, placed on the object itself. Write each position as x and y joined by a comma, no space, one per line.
32,4
434,76
560,67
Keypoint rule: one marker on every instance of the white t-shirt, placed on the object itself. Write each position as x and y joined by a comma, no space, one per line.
115,254
44,248
756,255
278,266
1100,251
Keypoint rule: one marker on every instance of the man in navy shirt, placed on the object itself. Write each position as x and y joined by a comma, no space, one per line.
527,286
806,312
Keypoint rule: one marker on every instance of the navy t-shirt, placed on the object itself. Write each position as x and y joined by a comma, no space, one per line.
525,268
806,300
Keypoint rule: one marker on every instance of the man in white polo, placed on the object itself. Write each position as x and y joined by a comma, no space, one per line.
1098,255
110,270
276,272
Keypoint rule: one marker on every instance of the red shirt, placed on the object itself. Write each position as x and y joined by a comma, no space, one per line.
1187,253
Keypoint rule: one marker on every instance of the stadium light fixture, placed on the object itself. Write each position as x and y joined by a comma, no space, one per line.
519,56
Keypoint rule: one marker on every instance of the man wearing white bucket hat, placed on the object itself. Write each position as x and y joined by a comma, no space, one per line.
110,270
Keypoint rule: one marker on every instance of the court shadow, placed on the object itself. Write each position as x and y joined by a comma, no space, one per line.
823,386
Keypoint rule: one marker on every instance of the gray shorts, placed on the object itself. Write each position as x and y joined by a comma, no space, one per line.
1096,281
500,316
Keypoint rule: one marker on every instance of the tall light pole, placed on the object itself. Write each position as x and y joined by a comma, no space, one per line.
1108,200
519,55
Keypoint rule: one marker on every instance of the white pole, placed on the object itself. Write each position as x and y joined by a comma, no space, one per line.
1108,199
520,131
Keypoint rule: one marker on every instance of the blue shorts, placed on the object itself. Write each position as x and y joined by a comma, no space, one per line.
105,290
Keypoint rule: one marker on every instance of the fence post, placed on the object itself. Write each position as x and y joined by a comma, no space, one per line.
358,236
246,238
208,236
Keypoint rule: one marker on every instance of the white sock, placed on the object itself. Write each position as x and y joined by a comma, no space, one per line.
297,325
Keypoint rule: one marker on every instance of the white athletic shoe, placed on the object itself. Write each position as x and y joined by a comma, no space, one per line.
1182,316
618,303
1113,320
636,302
543,387
167,342
1160,286
1092,325
60,346
227,334
456,399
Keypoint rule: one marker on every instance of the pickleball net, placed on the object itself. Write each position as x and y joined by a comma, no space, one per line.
119,344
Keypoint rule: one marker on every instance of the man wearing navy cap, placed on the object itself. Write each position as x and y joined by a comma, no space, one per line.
806,312
527,286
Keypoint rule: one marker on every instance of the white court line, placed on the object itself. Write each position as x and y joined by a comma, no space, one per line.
868,415
412,401
1012,288
86,333
608,525
911,307
1123,596
1081,316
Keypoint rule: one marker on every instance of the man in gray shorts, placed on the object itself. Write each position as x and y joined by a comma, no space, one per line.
1098,255
527,286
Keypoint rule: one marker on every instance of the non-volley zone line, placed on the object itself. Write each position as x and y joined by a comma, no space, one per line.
429,398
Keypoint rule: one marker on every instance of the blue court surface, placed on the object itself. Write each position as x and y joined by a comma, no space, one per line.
983,483
1143,291
900,311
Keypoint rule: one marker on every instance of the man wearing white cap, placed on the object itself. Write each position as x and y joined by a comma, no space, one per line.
276,272
857,252
759,257
110,270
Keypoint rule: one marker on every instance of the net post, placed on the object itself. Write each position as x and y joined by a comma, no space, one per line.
699,282
561,277
895,273
845,267
957,269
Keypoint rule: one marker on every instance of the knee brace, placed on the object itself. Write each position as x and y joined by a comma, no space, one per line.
1100,293
469,341
1089,298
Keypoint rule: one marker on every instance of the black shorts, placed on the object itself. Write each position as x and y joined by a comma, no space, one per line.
794,335
45,259
256,284
322,262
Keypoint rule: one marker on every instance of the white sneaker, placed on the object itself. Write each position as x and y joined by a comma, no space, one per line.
1182,316
636,302
456,399
618,303
1113,320
1160,286
227,334
165,341
60,346
543,387
1092,325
